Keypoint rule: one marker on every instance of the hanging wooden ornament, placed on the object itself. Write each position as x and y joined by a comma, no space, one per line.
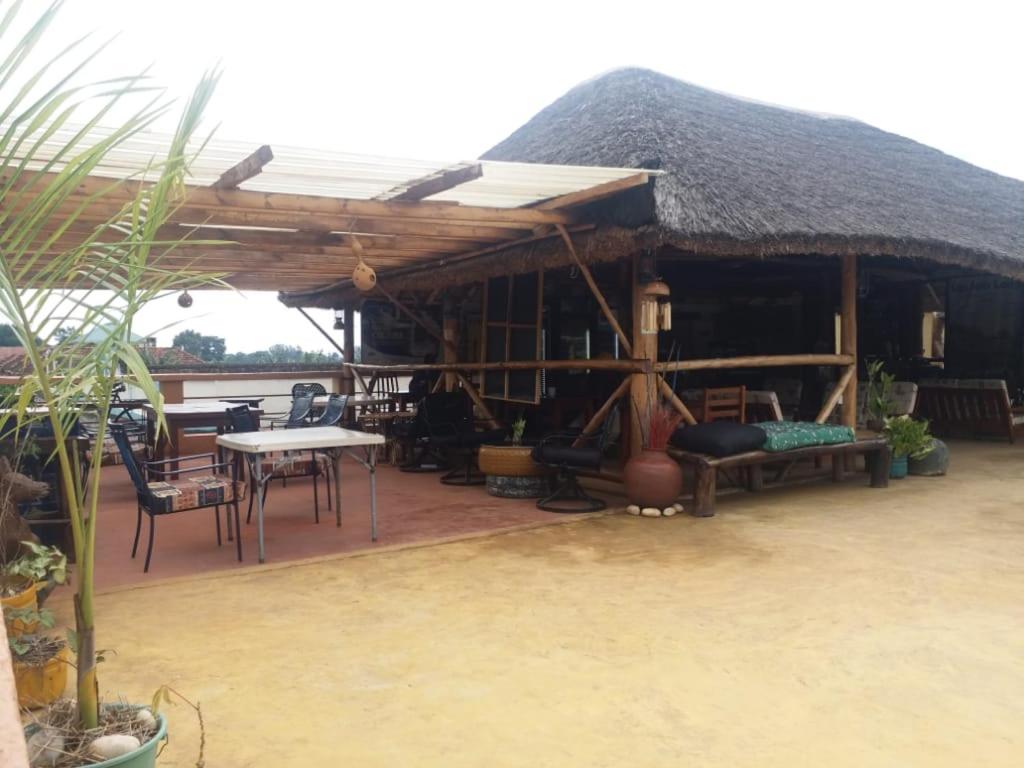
363,276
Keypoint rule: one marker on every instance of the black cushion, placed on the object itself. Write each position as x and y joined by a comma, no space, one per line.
553,454
719,438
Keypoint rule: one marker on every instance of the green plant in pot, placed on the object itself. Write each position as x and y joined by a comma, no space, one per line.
40,661
510,469
61,228
879,404
907,438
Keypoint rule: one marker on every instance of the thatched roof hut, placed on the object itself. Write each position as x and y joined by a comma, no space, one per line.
748,179
752,177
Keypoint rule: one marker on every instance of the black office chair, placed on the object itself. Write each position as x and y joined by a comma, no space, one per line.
444,434
156,495
557,451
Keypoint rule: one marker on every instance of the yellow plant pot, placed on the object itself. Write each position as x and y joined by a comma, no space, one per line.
26,599
41,685
509,461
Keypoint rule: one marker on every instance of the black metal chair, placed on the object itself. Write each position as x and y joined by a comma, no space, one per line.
165,497
557,451
333,412
443,431
298,414
313,388
291,464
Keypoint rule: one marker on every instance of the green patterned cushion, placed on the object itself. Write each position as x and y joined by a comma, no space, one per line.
787,435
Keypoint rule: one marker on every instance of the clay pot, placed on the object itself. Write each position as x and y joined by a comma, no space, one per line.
653,479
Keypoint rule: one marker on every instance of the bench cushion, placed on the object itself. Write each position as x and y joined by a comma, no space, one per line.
718,438
787,435
206,490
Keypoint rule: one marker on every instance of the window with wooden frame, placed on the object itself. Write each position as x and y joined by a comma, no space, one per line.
511,333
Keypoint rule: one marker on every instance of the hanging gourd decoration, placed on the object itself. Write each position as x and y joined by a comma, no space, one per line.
363,275
185,300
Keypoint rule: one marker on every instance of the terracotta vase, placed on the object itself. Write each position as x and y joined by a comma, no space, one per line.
653,479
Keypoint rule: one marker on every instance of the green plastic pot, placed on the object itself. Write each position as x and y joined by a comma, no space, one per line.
899,467
144,756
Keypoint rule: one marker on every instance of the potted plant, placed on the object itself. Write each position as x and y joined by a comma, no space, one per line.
510,469
115,266
908,438
654,479
879,396
40,661
26,581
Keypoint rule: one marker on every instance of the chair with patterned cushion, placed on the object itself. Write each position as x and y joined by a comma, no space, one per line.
110,454
157,494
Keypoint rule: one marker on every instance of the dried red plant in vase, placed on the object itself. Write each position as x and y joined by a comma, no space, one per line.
660,426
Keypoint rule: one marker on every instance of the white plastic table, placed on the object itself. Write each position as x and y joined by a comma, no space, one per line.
334,441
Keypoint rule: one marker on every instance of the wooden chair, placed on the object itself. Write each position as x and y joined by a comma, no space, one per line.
725,404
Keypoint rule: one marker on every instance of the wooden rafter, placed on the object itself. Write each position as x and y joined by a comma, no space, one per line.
593,194
245,169
838,392
436,183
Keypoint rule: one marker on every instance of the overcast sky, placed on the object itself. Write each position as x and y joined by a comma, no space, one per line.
447,80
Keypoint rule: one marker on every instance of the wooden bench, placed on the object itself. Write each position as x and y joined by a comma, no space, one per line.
968,408
875,450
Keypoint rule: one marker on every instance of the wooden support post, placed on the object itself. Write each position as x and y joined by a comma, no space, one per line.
173,391
848,336
585,271
602,413
349,346
643,389
467,385
450,332
839,391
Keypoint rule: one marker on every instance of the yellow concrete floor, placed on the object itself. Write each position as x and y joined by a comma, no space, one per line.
822,625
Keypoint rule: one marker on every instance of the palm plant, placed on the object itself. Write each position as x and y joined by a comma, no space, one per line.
77,249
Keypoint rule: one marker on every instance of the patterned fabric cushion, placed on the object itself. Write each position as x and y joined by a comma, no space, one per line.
292,465
205,490
787,435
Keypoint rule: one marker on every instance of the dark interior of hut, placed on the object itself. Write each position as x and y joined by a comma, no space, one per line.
922,319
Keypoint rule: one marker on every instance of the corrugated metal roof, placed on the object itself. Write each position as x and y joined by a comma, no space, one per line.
297,170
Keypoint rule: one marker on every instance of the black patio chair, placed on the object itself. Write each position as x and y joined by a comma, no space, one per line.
290,465
443,431
165,497
298,414
333,412
557,450
312,388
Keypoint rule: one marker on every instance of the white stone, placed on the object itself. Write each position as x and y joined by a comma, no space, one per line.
45,747
650,512
668,511
633,509
145,718
677,507
114,745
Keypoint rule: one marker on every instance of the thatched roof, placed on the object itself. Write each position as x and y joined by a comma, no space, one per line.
744,177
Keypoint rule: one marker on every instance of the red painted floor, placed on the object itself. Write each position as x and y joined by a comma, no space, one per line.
411,508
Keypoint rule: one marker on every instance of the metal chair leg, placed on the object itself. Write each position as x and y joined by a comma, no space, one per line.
238,537
216,515
316,494
149,548
572,494
138,530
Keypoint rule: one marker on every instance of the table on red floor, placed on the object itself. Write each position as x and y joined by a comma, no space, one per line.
334,441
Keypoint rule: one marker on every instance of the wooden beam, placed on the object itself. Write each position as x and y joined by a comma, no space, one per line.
602,413
837,392
245,169
848,335
585,271
673,398
754,361
438,182
624,366
467,385
592,194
